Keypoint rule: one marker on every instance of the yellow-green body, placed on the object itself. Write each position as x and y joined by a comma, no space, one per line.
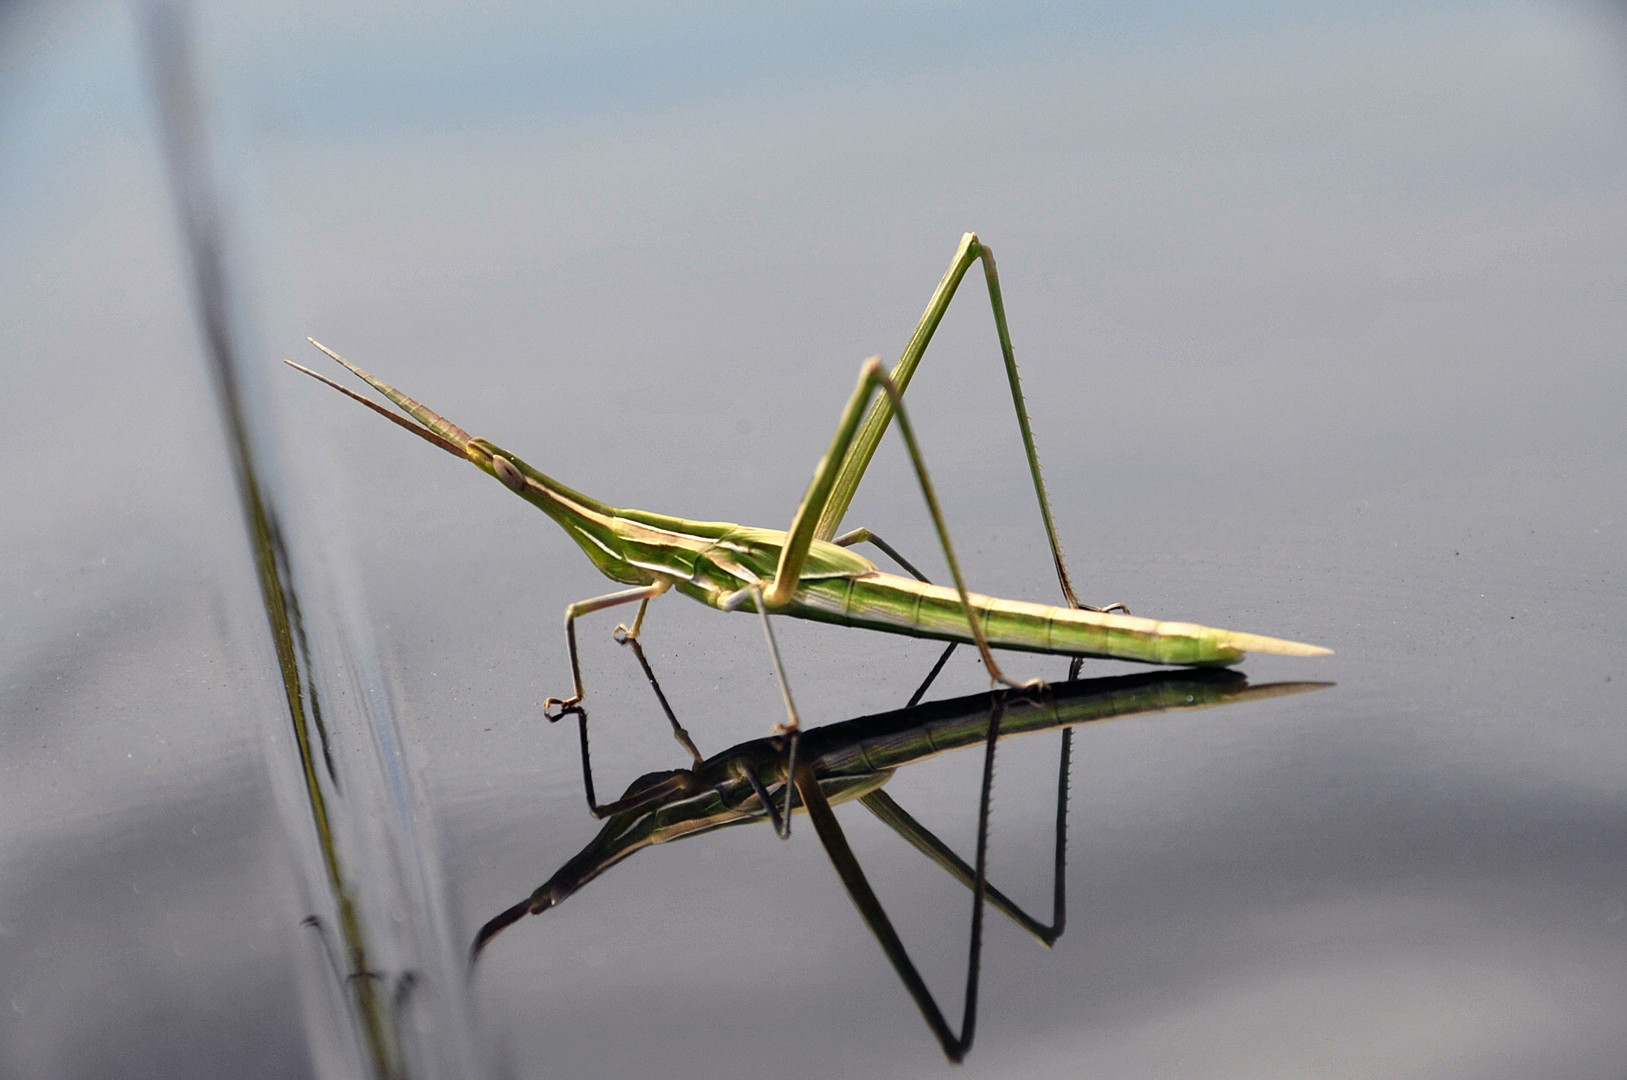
712,561
801,572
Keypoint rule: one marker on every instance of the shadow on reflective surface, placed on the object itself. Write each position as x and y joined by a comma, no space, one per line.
852,761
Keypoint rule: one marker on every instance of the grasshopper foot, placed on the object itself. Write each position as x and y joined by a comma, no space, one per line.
556,709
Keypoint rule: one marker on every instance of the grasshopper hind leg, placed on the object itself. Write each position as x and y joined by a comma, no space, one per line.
857,458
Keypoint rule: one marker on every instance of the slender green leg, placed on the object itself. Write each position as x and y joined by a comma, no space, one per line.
791,729
799,538
584,607
865,536
857,458
860,536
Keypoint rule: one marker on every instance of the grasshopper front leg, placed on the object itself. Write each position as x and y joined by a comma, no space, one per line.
554,708
791,729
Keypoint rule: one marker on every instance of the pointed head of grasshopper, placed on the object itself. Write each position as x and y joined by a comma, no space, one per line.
436,429
431,426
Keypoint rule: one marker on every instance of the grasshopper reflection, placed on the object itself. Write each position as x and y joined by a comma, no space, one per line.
851,761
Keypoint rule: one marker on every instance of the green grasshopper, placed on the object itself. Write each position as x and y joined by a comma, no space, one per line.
807,571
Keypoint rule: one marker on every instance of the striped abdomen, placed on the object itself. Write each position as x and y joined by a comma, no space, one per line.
887,602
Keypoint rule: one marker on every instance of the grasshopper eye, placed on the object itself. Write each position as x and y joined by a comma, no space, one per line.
507,473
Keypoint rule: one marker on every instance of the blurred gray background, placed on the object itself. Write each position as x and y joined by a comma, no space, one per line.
1320,310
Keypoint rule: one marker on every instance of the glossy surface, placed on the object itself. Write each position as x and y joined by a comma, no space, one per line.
1319,313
